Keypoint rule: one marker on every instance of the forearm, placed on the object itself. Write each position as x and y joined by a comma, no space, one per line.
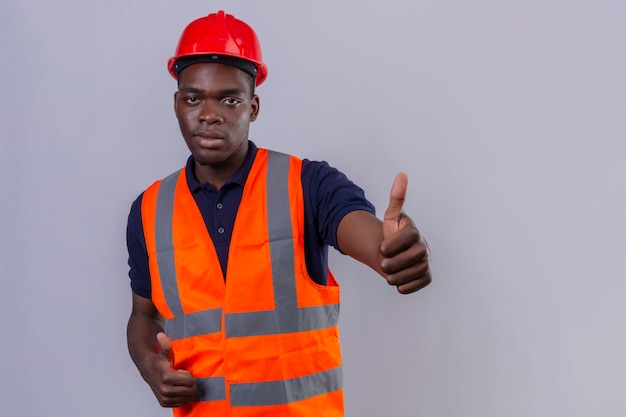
141,338
359,235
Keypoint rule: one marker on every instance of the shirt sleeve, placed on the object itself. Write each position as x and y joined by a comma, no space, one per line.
139,271
330,195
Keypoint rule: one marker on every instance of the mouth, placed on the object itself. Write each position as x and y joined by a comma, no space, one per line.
208,139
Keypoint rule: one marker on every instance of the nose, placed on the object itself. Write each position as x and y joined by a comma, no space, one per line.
210,113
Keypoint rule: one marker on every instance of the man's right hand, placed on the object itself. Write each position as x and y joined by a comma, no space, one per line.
172,387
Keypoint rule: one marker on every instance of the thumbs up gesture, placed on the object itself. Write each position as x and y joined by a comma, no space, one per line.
172,387
405,254
392,247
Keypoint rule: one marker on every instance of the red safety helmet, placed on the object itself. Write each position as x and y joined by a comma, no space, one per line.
220,34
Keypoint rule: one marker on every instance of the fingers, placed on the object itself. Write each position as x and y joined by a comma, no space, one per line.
176,388
403,240
394,210
415,285
175,395
406,261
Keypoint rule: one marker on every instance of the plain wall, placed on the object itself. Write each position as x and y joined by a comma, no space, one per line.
508,117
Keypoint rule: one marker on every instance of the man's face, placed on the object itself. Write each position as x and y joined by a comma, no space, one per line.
214,107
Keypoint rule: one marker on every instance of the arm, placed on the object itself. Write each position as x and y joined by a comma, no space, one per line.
392,247
151,351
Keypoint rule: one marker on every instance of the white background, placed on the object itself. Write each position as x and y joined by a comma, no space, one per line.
508,116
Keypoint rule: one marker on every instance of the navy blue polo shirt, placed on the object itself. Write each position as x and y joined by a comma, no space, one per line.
328,196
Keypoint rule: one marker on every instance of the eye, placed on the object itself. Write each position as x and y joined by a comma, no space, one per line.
231,101
191,100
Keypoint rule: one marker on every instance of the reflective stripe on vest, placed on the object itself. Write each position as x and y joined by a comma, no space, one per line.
286,317
284,392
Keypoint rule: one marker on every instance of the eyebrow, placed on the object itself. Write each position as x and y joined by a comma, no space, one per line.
225,92
191,90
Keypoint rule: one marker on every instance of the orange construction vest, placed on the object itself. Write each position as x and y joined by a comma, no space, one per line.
263,341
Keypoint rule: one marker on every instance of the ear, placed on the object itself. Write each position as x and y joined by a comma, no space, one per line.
176,103
256,106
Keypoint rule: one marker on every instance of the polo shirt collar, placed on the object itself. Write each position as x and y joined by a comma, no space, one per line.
238,178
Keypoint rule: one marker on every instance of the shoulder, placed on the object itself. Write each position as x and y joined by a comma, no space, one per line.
328,188
319,170
320,177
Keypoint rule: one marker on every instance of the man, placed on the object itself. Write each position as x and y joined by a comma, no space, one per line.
234,308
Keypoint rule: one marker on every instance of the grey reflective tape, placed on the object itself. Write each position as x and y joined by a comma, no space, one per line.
251,324
260,323
287,391
194,324
281,241
182,325
165,244
210,389
318,317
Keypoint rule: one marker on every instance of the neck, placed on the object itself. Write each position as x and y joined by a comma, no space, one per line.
217,174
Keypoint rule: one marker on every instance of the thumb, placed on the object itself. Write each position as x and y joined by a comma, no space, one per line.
165,343
393,214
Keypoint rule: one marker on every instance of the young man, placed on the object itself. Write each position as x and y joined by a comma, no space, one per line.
234,307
